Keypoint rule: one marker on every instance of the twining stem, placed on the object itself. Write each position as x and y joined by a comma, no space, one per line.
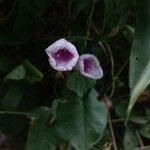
112,69
89,22
121,69
112,132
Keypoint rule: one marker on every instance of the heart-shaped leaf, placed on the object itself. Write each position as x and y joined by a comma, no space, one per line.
81,122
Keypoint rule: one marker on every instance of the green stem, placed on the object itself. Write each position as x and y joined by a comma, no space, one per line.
112,132
139,139
13,113
118,120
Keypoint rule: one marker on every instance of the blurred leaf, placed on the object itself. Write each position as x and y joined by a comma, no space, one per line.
115,13
24,25
130,141
79,30
26,22
81,5
6,64
79,84
35,6
145,130
32,73
12,97
140,54
82,123
11,124
6,37
28,18
17,74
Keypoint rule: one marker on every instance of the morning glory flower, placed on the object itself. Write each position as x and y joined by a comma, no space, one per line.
89,66
63,55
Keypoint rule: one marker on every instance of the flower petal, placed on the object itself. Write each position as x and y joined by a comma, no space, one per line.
89,66
62,55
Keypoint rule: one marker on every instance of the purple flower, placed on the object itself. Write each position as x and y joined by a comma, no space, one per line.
89,66
62,55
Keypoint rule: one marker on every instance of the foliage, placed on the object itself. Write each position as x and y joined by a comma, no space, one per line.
41,109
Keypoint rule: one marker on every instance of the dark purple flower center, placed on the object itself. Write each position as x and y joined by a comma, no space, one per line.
62,56
88,63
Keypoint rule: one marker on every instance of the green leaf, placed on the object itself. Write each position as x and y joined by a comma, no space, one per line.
82,123
120,107
145,130
41,136
25,71
79,84
17,74
140,55
32,73
13,97
130,141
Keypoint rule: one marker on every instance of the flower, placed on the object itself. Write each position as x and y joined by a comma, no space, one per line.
62,55
89,66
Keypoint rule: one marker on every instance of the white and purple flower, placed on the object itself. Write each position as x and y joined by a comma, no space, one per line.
63,55
89,66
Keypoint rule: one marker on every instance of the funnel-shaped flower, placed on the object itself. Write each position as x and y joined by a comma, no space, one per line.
89,66
62,55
